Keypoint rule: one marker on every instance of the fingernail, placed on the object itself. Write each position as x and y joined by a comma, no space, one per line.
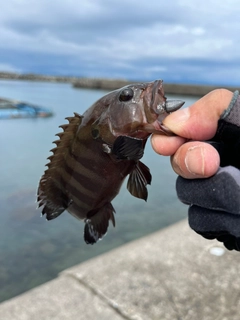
177,117
194,160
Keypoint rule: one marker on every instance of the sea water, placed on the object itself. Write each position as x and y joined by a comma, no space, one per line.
33,250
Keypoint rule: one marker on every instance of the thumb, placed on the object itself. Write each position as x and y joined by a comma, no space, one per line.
200,120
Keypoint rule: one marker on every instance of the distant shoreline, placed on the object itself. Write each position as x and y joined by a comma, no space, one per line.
112,84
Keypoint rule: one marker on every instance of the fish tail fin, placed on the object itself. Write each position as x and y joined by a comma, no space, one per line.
97,224
51,193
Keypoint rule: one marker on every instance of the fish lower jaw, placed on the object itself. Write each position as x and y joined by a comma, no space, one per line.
157,128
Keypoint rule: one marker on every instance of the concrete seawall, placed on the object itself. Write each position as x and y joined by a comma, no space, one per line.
112,84
172,274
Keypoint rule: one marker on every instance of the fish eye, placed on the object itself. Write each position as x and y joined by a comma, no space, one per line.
126,94
95,133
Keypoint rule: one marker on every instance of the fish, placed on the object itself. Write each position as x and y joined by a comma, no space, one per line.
96,151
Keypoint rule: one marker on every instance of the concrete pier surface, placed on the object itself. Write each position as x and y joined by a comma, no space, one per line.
173,274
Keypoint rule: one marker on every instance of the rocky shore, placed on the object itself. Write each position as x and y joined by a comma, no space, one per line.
112,84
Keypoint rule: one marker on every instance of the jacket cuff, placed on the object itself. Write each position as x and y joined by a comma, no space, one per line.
232,113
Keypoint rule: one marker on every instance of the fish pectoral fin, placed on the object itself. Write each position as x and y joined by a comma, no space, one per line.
97,224
138,180
128,148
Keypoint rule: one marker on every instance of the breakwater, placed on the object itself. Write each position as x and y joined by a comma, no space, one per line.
36,77
112,84
169,88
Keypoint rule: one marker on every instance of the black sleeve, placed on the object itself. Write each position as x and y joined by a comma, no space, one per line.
214,203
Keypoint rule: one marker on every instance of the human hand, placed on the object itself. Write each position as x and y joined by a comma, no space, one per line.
194,159
214,210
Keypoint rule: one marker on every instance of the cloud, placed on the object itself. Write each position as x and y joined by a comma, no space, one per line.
123,38
9,68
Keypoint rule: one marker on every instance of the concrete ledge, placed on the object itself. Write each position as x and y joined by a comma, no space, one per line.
171,274
63,298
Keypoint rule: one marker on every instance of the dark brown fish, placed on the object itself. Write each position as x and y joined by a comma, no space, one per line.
97,150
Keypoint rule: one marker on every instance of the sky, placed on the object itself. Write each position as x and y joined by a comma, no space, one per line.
181,41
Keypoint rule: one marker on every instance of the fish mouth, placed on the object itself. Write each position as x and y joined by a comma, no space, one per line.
159,103
160,108
158,100
157,128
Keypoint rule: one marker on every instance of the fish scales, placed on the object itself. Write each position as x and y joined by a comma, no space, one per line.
80,178
97,150
78,171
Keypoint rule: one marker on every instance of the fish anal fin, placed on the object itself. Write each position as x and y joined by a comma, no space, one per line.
96,224
138,180
130,148
52,194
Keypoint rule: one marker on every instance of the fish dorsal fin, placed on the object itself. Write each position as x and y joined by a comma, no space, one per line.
51,193
65,140
138,180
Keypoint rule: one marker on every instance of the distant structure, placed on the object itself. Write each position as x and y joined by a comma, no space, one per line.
13,109
112,84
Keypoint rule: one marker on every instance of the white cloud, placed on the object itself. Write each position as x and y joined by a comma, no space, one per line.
5,67
117,35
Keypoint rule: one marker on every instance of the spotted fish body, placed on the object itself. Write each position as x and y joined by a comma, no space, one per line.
95,153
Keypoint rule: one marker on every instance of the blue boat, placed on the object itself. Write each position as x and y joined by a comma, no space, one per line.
12,109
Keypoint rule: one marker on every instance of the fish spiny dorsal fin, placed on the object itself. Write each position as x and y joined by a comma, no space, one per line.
65,140
51,192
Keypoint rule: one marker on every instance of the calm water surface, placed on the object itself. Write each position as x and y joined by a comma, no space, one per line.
33,250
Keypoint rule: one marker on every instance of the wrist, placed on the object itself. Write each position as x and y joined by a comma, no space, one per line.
232,113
